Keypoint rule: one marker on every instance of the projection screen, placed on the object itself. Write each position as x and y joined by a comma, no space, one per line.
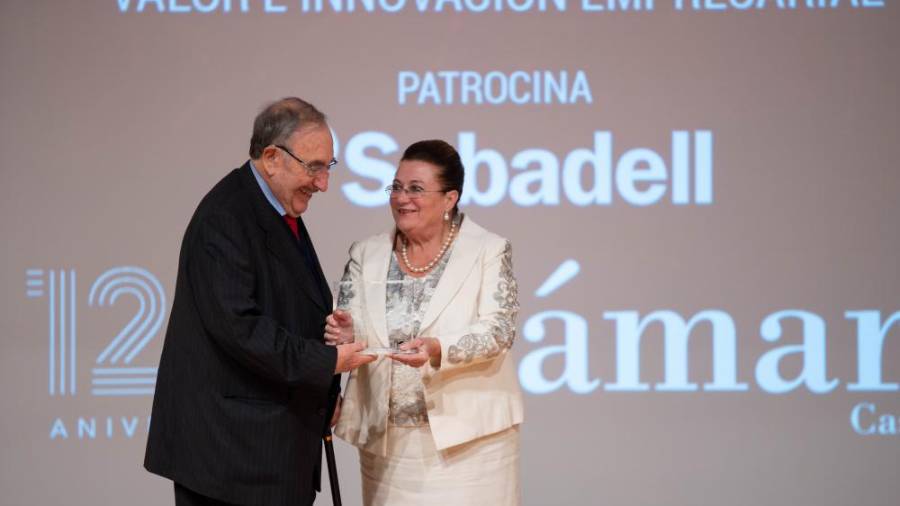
701,196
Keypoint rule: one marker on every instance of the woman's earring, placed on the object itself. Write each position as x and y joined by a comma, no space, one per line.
446,215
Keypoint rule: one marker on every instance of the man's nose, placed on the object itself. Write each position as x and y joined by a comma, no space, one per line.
321,180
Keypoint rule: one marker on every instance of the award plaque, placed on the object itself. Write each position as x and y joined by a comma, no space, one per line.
403,328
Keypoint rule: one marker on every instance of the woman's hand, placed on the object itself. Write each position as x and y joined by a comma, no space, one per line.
338,328
428,348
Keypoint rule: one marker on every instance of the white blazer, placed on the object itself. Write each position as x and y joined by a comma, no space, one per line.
472,313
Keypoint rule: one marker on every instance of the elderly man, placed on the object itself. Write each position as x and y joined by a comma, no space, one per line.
246,384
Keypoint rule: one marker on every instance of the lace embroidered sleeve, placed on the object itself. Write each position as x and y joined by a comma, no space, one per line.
494,332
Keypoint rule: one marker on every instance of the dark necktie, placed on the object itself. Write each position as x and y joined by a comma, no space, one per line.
292,223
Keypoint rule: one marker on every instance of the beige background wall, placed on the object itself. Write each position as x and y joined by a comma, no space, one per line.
114,124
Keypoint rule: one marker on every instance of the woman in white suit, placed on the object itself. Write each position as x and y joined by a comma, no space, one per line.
441,425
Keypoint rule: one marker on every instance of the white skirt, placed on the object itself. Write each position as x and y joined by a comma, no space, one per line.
483,471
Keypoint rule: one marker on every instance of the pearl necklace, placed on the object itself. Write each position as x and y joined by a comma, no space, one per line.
434,261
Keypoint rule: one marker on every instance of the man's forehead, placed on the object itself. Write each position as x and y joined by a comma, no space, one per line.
312,133
316,138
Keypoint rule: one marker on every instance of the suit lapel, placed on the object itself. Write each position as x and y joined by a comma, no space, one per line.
465,253
279,241
375,287
318,276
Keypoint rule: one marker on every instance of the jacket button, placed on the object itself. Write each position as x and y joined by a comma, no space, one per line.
321,411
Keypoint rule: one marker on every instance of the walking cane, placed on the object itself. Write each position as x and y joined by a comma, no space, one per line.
332,468
329,449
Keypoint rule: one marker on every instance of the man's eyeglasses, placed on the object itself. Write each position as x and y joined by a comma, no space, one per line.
313,169
413,192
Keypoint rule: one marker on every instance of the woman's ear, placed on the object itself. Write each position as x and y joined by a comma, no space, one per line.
452,197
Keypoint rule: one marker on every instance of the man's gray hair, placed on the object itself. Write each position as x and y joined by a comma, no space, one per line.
280,119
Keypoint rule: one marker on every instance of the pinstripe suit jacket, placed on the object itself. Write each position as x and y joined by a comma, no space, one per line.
245,380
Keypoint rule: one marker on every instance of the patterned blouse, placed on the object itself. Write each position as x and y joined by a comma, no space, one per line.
407,299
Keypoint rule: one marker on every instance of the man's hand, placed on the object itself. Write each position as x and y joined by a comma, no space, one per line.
338,328
349,357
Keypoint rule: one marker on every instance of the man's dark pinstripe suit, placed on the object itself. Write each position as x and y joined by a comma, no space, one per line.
245,380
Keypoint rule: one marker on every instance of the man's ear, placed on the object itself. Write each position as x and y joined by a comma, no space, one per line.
269,159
